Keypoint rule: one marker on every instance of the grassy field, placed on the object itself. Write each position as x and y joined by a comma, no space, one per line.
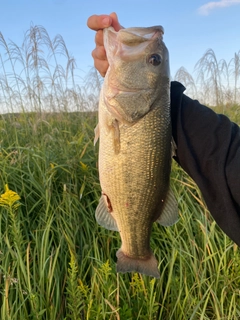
56,263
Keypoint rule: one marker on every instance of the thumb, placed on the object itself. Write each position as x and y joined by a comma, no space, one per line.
115,24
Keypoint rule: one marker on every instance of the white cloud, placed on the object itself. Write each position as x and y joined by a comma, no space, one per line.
206,8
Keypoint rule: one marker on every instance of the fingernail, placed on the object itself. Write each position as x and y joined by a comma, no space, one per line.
106,22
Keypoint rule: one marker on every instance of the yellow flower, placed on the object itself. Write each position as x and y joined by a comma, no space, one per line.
52,165
84,166
106,269
9,198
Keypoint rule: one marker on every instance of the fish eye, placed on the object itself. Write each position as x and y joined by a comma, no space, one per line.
155,59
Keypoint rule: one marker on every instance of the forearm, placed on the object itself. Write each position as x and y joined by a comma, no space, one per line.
208,149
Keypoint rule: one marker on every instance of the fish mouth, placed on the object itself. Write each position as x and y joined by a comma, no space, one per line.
135,35
146,32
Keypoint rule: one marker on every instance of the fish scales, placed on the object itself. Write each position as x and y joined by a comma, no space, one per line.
138,169
134,157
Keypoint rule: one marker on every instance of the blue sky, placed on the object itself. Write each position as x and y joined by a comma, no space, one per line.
191,26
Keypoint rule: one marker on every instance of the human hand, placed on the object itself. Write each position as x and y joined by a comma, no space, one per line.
98,23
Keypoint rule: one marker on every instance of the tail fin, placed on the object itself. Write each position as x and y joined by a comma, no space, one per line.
127,264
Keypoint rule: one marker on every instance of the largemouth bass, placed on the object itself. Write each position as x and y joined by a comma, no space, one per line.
135,144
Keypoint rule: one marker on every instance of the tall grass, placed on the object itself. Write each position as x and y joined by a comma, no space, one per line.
215,82
55,261
41,75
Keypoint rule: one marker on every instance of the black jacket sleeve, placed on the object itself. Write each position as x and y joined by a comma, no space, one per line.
208,149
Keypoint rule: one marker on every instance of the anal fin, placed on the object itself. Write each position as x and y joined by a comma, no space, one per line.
169,214
103,215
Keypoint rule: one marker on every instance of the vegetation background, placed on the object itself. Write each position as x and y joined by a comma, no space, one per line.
55,261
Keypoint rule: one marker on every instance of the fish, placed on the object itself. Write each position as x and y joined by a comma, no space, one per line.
135,144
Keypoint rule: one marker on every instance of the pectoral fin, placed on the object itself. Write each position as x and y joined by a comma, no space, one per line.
169,214
103,214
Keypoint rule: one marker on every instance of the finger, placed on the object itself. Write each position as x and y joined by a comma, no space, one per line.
97,22
115,24
101,66
99,38
99,53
